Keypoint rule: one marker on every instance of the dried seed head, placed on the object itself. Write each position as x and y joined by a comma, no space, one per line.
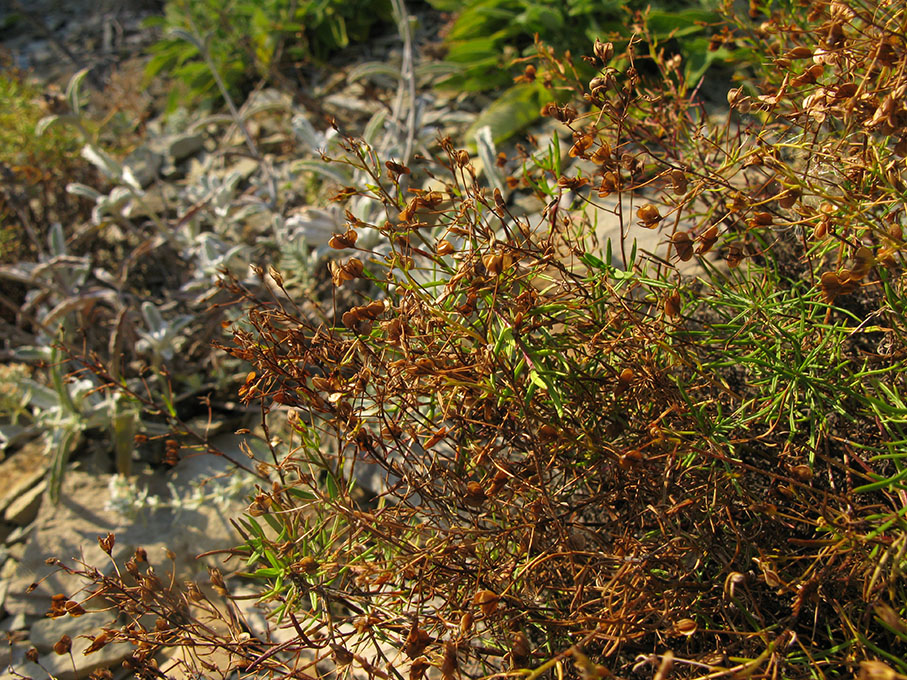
99,642
572,183
520,649
707,240
624,380
396,168
341,241
685,627
495,263
863,261
418,667
809,76
679,182
803,472
106,542
466,623
672,304
487,601
416,642
788,197
603,153
342,272
683,245
73,608
63,645
475,494
462,158
449,663
609,185
648,215
734,256
499,203
834,285
604,51
582,143
737,99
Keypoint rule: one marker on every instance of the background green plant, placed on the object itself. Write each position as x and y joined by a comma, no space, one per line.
250,41
487,35
490,40
35,167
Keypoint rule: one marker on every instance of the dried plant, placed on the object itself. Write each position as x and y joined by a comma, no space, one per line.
586,469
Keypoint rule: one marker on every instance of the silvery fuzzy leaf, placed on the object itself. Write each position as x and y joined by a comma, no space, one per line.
315,225
306,133
74,90
102,161
335,171
77,189
29,353
49,121
153,318
11,435
488,154
80,301
374,126
39,396
23,272
377,71
56,240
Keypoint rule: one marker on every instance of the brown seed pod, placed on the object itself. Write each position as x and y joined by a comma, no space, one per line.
466,623
604,51
106,542
672,304
396,168
602,153
449,663
685,627
487,601
341,241
683,245
520,649
763,219
834,285
610,184
707,240
734,256
416,642
648,215
809,76
679,182
800,52
475,494
63,645
581,145
100,641
342,272
788,197
802,472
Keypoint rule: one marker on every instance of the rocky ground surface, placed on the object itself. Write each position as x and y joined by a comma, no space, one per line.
181,510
